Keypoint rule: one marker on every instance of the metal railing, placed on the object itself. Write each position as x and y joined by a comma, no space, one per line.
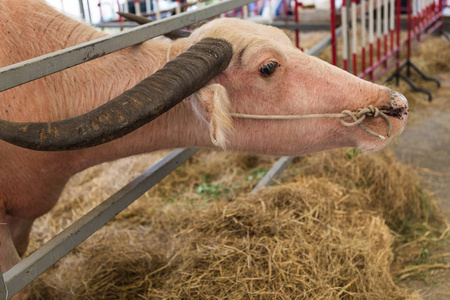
28,269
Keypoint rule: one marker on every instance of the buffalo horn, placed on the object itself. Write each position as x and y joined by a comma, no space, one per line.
150,98
173,35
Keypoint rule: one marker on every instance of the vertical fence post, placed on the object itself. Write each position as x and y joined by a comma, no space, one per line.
385,28
178,7
354,37
333,32
245,12
408,53
378,29
100,10
125,7
81,5
137,7
392,23
158,11
120,17
398,41
269,2
284,8
119,10
363,35
371,35
344,35
148,7
297,6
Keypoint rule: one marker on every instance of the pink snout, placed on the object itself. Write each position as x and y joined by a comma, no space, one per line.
395,106
398,106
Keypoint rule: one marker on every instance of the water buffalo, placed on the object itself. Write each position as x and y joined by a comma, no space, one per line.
259,72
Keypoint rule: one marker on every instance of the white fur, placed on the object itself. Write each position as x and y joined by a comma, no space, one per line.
213,105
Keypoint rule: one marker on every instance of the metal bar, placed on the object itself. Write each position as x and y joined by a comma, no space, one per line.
363,35
354,36
80,4
274,172
333,32
398,32
371,34
31,267
345,33
44,65
325,42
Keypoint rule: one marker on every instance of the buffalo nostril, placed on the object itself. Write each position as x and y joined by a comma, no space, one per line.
398,106
398,112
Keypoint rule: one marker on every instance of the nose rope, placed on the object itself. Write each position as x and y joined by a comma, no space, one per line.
358,118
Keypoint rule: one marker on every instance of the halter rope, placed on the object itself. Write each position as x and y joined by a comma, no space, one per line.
357,118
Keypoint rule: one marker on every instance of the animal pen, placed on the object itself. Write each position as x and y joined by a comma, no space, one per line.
385,50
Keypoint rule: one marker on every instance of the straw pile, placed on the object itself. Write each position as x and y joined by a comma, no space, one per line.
320,235
327,231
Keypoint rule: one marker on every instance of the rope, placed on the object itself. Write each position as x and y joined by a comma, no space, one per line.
358,118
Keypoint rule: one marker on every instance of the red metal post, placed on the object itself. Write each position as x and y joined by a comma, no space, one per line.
363,58
118,8
378,48
408,55
333,32
385,44
296,19
372,9
380,30
371,59
354,56
344,33
285,8
397,29
100,8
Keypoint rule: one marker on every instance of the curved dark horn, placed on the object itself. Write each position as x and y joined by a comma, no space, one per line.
173,35
152,97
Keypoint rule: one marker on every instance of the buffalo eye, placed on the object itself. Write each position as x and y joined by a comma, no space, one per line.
267,69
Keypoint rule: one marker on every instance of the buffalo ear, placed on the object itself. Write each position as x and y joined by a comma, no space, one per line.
213,104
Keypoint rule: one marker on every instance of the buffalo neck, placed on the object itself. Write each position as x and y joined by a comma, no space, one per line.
73,92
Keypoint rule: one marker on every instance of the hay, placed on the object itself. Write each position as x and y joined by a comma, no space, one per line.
321,235
390,188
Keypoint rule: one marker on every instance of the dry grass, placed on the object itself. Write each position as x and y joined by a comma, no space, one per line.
337,227
323,234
